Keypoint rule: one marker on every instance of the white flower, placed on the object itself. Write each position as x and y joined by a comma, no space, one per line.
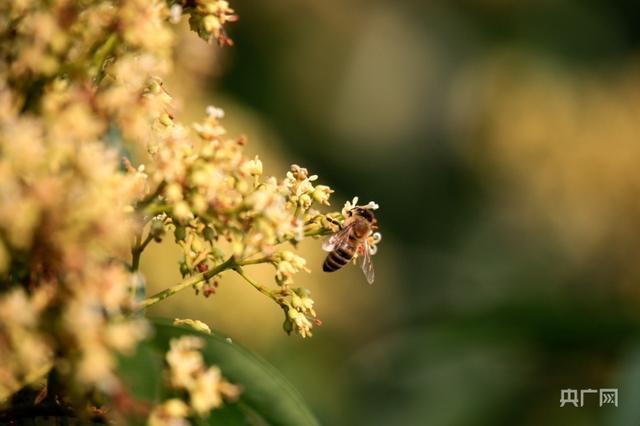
322,193
301,322
185,361
373,240
348,206
205,394
252,167
371,205
175,13
217,113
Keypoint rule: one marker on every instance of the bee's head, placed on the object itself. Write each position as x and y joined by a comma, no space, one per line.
363,212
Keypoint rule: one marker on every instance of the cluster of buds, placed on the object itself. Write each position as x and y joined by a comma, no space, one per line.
210,194
302,192
288,263
299,313
206,17
205,387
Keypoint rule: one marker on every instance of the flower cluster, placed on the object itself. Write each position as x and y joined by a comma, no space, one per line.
94,167
80,84
205,387
211,192
300,313
59,238
225,214
208,17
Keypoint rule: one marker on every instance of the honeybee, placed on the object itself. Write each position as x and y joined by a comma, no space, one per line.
352,238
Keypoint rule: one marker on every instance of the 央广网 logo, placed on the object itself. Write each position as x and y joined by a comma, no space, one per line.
576,397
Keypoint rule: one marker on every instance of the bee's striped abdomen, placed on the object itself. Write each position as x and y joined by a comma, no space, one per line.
338,258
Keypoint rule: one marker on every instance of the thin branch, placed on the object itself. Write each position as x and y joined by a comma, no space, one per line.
149,198
260,260
102,54
27,380
137,249
189,282
257,286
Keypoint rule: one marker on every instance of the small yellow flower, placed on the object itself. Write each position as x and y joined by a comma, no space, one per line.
205,394
195,324
322,193
172,412
176,408
182,212
252,167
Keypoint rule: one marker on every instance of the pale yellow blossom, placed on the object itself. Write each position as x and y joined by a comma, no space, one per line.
195,324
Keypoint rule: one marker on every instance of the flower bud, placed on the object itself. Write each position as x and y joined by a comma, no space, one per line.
252,167
243,186
173,192
157,230
195,324
287,325
293,314
175,13
296,301
182,212
166,120
209,233
217,252
184,269
322,193
180,233
211,24
176,408
199,203
215,112
196,245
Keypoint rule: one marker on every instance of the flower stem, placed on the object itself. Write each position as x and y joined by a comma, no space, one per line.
257,286
102,55
189,282
137,249
151,197
265,259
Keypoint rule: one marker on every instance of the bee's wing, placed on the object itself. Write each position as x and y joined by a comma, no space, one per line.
367,264
337,239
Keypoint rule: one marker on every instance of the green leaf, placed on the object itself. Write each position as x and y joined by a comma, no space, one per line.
233,414
141,372
267,397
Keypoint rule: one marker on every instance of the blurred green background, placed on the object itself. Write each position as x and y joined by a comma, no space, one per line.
502,142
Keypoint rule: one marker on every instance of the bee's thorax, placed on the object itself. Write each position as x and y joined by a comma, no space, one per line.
361,229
